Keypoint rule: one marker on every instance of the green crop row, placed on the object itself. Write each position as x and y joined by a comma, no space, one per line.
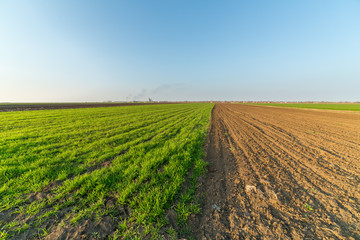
137,158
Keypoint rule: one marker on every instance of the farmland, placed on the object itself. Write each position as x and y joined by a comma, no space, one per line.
281,173
196,170
10,107
327,106
100,173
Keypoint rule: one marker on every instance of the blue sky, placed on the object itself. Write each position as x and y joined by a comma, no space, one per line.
63,51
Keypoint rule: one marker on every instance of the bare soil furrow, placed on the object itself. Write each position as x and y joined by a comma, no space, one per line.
331,128
274,139
309,138
277,150
279,173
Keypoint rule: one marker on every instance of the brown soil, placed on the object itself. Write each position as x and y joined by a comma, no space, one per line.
280,173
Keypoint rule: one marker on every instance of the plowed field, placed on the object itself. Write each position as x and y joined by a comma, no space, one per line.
278,173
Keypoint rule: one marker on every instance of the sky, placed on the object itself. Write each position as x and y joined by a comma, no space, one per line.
179,50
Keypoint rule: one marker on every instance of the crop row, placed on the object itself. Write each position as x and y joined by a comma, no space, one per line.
60,167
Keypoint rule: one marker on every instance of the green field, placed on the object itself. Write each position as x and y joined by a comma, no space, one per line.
328,106
133,164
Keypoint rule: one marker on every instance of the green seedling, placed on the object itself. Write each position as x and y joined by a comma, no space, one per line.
45,232
308,207
95,235
4,235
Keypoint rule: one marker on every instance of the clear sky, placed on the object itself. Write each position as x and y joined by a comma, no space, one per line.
61,51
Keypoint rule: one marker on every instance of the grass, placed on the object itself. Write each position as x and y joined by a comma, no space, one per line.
144,159
327,106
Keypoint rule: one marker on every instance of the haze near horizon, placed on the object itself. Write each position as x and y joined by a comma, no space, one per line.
76,51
